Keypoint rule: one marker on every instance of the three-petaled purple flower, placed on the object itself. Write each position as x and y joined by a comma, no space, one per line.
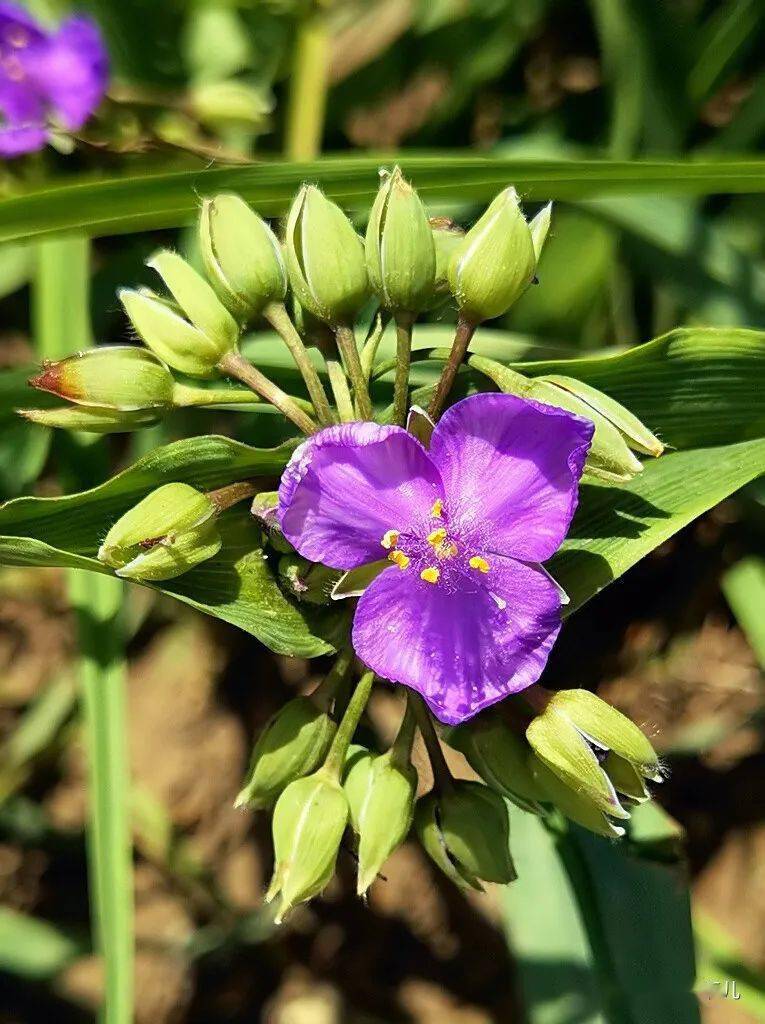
46,78
465,614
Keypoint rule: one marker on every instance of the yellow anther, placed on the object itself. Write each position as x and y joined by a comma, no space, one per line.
390,539
437,537
399,559
438,508
430,575
476,562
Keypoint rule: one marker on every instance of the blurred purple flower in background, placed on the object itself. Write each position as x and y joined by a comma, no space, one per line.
465,615
46,79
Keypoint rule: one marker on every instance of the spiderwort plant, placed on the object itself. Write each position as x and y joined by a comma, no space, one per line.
436,532
48,80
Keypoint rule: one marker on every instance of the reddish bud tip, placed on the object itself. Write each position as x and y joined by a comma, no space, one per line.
50,379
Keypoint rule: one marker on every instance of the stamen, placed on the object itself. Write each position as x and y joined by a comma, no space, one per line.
431,574
437,537
399,559
390,539
438,508
476,562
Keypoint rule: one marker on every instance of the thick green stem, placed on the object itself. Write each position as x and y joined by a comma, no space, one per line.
276,314
308,89
235,365
369,350
340,391
187,396
333,766
464,333
403,357
346,342
401,751
442,777
325,693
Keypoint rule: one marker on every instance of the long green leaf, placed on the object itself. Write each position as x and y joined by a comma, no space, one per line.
169,199
238,585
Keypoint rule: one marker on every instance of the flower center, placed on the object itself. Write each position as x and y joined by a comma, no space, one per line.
437,556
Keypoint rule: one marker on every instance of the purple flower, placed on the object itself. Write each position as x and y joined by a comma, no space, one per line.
46,77
465,615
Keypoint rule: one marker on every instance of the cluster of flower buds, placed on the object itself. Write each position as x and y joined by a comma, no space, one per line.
579,754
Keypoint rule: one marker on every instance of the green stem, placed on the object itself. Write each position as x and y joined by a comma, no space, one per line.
442,777
102,674
340,391
308,89
60,316
276,314
232,494
403,357
325,693
346,342
464,333
369,350
333,766
401,751
235,365
187,395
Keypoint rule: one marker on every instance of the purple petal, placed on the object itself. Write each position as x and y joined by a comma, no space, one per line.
18,29
462,650
511,470
23,129
346,487
73,71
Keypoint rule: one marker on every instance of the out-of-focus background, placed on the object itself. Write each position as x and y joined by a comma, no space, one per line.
679,643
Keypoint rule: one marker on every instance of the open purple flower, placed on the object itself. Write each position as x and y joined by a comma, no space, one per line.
57,77
465,615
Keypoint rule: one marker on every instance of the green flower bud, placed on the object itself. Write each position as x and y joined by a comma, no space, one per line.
575,804
609,457
325,258
380,792
167,533
309,820
92,419
242,256
500,757
113,377
197,300
495,262
293,743
400,252
229,104
560,746
635,433
608,728
165,331
466,831
265,507
446,238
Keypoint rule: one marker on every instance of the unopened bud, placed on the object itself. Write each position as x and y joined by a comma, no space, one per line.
574,804
167,533
626,779
197,299
380,792
466,831
500,757
229,104
293,743
92,419
325,258
309,820
242,256
597,720
400,252
121,377
495,262
162,327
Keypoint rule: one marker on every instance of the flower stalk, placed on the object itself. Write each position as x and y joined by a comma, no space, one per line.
333,766
340,391
276,314
235,365
404,324
442,777
346,342
462,338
